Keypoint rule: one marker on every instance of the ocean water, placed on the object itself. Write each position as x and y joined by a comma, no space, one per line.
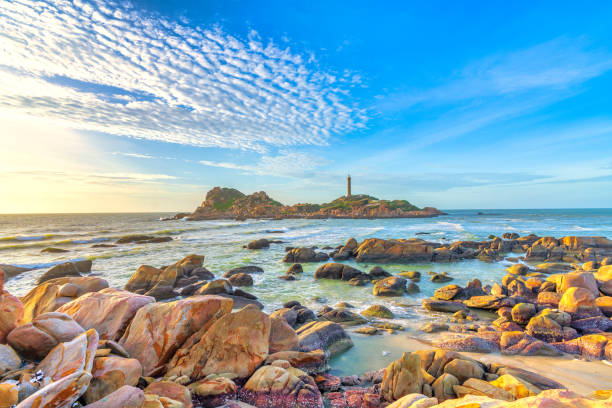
22,237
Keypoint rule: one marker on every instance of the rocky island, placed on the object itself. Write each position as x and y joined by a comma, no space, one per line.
229,203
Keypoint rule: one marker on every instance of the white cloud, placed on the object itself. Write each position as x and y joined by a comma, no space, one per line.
146,77
141,156
285,164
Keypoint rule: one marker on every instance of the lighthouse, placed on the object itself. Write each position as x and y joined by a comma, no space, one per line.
348,186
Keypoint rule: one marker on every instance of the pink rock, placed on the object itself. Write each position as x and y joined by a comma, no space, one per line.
71,357
110,374
59,394
124,397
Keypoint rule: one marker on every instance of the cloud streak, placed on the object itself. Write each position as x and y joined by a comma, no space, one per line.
284,164
105,67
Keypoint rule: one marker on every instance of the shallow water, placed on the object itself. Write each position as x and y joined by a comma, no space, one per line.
22,237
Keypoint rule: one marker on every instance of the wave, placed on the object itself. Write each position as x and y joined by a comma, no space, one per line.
43,265
455,226
27,238
53,243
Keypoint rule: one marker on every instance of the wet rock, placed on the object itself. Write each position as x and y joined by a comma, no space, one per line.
549,299
378,311
518,342
312,362
443,306
327,382
518,269
158,330
367,330
412,288
53,250
343,316
295,269
434,327
277,387
469,343
142,239
12,311
337,271
301,255
553,267
585,280
327,336
34,340
595,324
125,397
249,269
378,272
110,374
394,250
109,311
241,279
440,278
414,276
66,269
448,292
488,302
544,328
605,304
235,343
259,244
402,377
390,286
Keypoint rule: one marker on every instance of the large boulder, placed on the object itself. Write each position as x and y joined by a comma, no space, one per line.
9,360
302,255
444,306
402,377
235,343
337,271
327,336
110,374
75,268
109,311
390,286
12,311
62,393
394,250
312,362
72,356
161,283
54,293
34,340
158,330
278,387
125,397
282,336
585,280
579,303
544,328
166,391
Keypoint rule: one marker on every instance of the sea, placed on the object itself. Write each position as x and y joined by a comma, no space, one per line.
22,237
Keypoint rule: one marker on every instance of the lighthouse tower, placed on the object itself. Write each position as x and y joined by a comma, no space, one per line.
348,186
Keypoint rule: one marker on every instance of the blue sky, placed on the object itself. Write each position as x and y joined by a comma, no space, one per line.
115,106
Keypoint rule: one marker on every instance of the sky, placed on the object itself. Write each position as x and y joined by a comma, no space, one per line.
146,105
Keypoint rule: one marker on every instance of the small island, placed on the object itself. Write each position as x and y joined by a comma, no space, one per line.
229,203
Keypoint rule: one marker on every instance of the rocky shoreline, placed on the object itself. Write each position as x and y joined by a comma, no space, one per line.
223,203
177,336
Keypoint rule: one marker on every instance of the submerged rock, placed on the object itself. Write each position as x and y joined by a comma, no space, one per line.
390,286
75,268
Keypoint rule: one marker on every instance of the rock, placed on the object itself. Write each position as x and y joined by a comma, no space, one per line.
337,271
544,328
440,278
474,386
469,343
584,280
61,394
378,311
443,306
605,304
110,374
289,315
171,390
295,269
301,255
394,251
53,250
488,302
517,387
241,279
343,316
464,369
248,269
158,330
213,391
125,397
414,400
553,267
550,299
522,312
142,239
9,360
412,275
12,311
579,303
282,336
235,343
434,327
52,294
277,387
327,382
109,311
34,340
378,273
518,342
390,286
402,377
259,244
9,395
327,336
312,362
412,288
66,269
594,324
70,357
518,269
448,292
443,387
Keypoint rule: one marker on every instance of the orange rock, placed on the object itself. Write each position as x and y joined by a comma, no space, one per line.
579,303
236,343
9,395
403,376
124,397
282,336
70,357
605,304
62,393
159,329
171,390
109,311
584,280
110,374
